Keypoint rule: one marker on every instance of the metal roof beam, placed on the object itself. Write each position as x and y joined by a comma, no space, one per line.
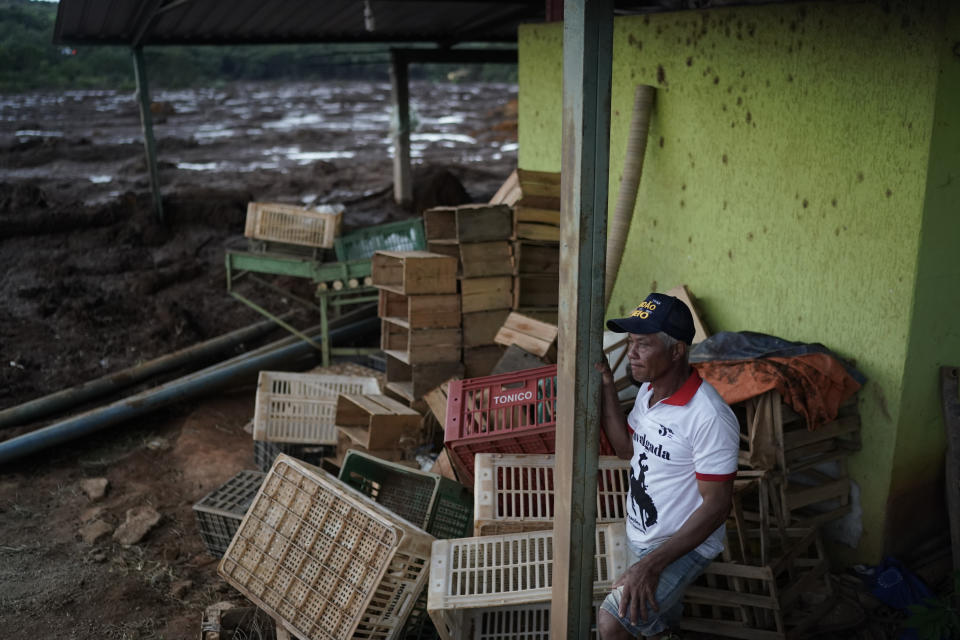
456,56
143,19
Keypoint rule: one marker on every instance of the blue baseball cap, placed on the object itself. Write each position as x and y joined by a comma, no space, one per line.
659,312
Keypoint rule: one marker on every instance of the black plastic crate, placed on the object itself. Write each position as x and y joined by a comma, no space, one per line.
264,453
219,513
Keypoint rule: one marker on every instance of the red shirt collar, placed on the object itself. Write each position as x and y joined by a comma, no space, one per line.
683,395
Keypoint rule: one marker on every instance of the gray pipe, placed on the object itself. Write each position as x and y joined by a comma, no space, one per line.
67,398
185,388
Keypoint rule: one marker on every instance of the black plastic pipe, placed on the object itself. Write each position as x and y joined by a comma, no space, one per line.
67,398
196,384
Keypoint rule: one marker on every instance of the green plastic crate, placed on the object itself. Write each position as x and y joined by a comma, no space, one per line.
405,235
441,507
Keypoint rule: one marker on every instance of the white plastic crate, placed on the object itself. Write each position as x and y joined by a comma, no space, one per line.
519,622
514,492
506,570
291,224
302,407
324,560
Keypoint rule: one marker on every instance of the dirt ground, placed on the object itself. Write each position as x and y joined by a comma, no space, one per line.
92,283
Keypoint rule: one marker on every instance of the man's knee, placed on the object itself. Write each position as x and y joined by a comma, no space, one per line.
610,628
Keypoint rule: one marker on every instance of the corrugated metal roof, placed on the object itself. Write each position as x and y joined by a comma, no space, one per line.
163,22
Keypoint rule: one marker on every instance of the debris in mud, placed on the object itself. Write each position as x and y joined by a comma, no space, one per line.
139,522
95,488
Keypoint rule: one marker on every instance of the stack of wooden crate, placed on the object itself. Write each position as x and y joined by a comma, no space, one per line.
420,312
535,198
807,469
479,237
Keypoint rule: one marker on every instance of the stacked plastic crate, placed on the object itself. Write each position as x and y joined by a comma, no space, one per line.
441,507
498,583
420,320
295,414
479,237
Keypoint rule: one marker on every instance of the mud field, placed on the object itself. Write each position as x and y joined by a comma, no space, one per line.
91,284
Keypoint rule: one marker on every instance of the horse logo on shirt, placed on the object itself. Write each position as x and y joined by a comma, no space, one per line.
643,506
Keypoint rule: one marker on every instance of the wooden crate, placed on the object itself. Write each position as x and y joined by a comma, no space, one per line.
425,311
486,294
514,492
536,292
484,259
291,224
414,272
536,258
400,452
774,602
811,480
516,359
537,231
325,560
468,223
437,400
300,407
416,346
540,189
375,421
412,382
533,336
480,328
505,570
480,361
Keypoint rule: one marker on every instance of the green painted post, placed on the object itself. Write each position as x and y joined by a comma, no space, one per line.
402,177
146,122
587,53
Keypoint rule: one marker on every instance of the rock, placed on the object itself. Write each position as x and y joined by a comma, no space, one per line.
98,556
95,488
179,588
91,514
93,531
139,522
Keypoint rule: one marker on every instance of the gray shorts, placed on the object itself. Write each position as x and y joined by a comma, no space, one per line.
673,582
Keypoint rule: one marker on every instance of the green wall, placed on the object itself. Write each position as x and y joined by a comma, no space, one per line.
786,183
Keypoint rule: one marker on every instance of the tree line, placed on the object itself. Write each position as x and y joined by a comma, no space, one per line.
30,61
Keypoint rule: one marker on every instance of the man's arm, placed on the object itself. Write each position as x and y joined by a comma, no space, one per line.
640,580
612,420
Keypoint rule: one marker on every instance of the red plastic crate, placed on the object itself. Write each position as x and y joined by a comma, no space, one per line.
512,412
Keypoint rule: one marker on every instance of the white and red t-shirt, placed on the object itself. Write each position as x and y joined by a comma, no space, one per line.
692,435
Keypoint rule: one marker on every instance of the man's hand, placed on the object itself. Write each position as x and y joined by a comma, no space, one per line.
639,588
606,375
